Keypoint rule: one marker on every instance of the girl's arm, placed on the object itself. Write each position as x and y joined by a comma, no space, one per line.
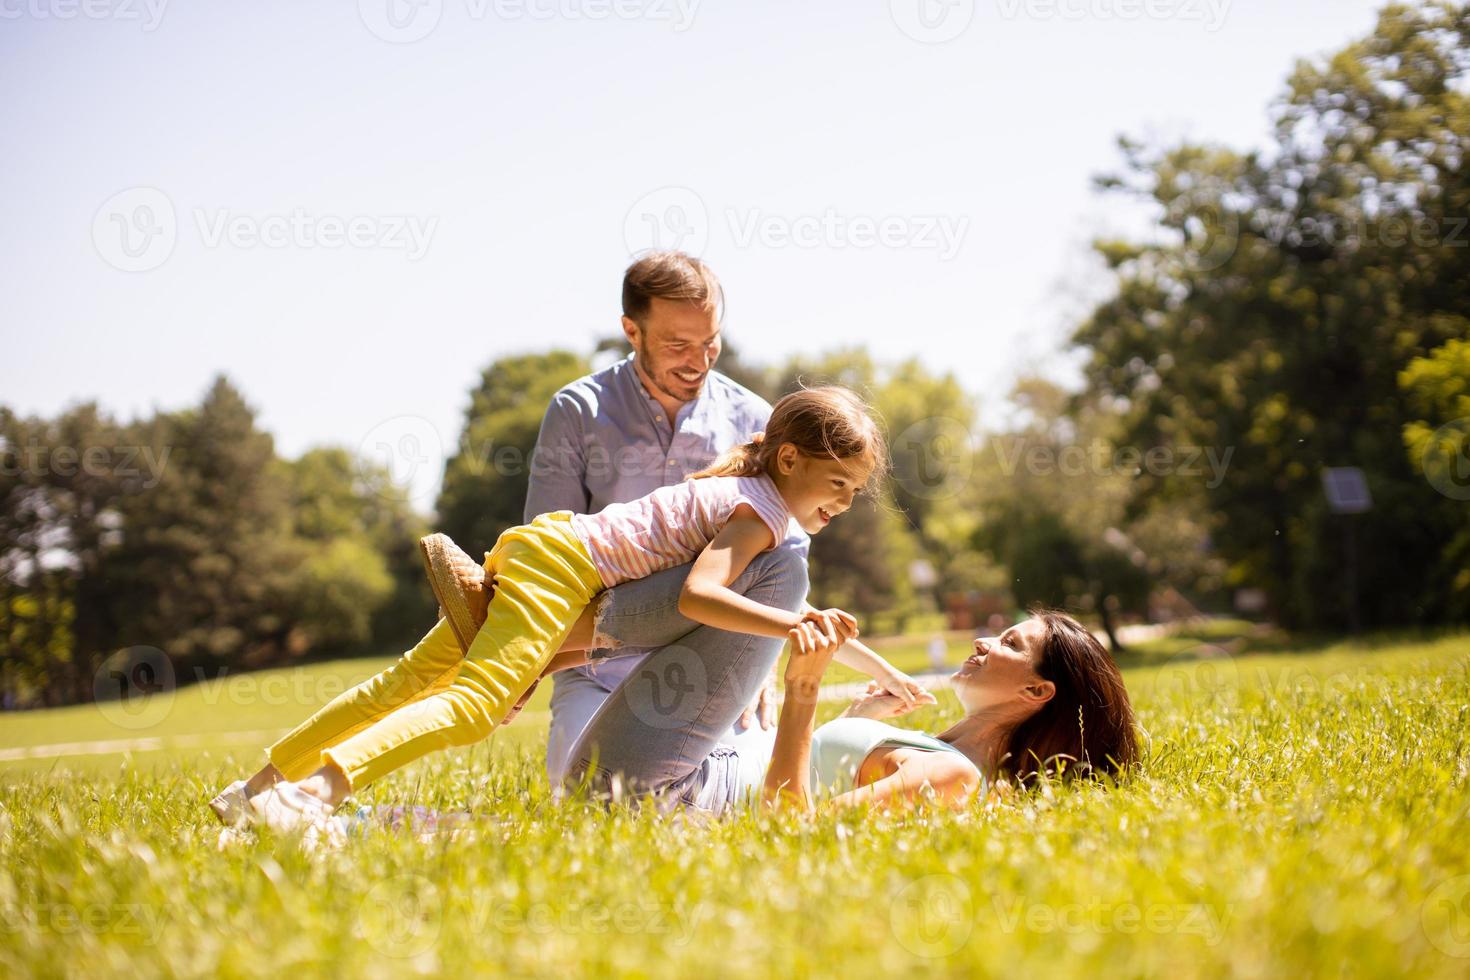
707,597
865,660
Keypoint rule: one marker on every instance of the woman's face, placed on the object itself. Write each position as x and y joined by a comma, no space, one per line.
1002,670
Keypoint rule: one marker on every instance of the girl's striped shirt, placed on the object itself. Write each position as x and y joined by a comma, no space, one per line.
673,524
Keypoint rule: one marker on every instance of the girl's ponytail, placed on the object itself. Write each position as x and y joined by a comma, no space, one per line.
829,422
743,460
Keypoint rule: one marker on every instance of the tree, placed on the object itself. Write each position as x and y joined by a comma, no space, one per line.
862,561
359,576
60,487
205,566
1054,496
484,490
1287,291
1437,388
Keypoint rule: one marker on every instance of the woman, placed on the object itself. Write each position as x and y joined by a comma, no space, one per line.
1043,696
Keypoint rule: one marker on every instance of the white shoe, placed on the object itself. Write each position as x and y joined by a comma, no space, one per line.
233,837
286,809
231,805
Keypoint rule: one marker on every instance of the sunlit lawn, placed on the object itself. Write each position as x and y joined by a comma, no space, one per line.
1301,811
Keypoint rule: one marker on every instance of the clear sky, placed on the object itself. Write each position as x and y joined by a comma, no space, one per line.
352,208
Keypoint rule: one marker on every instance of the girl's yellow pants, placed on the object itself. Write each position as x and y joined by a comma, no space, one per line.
436,697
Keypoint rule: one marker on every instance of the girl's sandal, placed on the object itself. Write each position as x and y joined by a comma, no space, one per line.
459,585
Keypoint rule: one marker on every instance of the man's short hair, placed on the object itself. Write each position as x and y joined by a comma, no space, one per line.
671,276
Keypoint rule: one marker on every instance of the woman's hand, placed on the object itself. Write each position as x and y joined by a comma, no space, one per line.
878,704
902,686
833,621
814,640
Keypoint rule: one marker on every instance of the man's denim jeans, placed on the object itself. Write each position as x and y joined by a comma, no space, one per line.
658,734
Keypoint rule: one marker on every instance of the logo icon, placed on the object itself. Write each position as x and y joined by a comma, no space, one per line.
135,230
1447,459
668,218
400,21
933,916
1446,916
932,21
401,916
1205,672
134,688
932,458
667,690
400,459
1211,232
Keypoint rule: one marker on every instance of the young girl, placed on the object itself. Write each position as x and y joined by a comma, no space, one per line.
818,450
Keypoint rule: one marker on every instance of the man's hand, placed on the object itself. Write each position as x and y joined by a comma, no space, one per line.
763,707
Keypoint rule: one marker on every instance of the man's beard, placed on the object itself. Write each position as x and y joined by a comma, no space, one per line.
654,375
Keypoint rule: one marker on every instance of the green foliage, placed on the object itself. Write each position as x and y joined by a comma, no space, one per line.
184,532
861,562
1437,388
1289,291
361,575
1054,494
484,489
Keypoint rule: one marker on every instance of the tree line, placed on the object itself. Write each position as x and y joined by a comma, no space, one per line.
1299,307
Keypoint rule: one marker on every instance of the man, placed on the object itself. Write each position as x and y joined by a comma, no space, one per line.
647,421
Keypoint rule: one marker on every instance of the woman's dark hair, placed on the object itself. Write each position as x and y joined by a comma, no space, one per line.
1087,727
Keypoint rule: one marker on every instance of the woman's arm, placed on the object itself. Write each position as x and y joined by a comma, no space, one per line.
951,780
787,775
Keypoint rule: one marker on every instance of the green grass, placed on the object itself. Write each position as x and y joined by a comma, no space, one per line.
1301,811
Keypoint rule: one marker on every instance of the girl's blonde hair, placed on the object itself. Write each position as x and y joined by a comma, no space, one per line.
828,421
